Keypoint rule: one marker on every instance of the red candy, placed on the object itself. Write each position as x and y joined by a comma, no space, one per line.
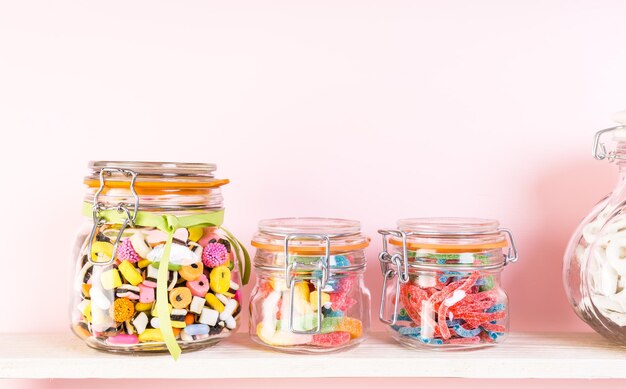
332,339
453,303
412,297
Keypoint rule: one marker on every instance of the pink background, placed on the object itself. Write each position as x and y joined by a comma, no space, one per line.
371,110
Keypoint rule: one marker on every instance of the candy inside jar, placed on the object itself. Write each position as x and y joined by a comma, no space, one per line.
594,270
154,273
310,295
442,282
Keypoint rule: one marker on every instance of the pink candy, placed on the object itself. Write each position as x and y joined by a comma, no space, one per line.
126,252
214,254
123,339
146,294
199,287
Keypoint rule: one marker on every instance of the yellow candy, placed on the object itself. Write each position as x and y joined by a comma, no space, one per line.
101,251
214,302
110,279
143,263
195,233
281,338
151,335
219,279
278,284
143,307
313,299
129,272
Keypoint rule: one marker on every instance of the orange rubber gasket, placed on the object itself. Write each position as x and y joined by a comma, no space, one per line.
158,187
451,248
311,250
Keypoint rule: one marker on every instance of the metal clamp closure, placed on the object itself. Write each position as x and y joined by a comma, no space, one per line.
511,256
98,207
399,270
599,149
320,278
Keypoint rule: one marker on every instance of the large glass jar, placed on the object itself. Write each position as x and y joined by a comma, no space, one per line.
310,295
594,271
441,282
154,269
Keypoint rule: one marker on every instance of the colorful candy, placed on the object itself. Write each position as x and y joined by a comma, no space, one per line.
117,305
457,309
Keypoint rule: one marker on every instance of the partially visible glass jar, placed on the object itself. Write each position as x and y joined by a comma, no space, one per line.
141,215
441,282
594,269
310,295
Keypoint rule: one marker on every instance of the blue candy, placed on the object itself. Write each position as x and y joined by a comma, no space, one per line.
410,330
466,333
493,335
330,313
197,329
495,308
431,340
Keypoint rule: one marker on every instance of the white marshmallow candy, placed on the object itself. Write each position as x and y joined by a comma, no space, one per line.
197,303
140,322
208,316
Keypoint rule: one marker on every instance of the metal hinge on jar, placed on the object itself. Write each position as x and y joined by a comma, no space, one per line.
121,207
400,272
319,279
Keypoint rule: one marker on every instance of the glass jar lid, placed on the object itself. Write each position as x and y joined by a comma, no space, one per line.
155,185
308,236
451,234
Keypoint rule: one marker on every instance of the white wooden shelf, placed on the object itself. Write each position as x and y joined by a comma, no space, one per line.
523,355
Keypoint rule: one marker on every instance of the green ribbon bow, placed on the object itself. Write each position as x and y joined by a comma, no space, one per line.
169,224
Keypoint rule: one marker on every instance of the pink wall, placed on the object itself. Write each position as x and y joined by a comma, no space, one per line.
372,110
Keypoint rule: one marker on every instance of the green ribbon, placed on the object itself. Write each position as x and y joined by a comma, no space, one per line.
169,224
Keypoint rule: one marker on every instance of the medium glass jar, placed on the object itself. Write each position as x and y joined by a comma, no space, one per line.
447,292
154,269
310,295
594,270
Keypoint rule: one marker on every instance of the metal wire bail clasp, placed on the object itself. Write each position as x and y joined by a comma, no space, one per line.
599,149
512,255
121,207
400,271
320,278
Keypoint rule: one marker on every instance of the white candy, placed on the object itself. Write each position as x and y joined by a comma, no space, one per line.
425,281
197,303
82,306
457,296
154,322
99,298
222,298
608,281
179,255
208,316
138,241
616,255
234,285
140,322
229,308
230,322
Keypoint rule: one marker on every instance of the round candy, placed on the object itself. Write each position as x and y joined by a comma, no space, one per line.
191,272
180,297
214,254
220,279
199,287
122,309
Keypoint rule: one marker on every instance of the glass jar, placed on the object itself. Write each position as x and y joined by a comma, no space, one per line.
310,295
154,269
594,270
447,292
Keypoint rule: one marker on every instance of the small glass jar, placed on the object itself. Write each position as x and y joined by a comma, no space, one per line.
594,269
310,295
447,292
154,269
